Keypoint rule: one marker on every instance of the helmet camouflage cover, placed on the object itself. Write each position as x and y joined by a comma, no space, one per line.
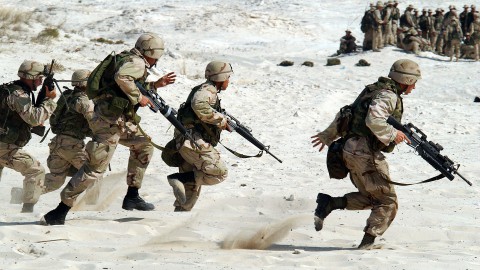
79,77
150,45
30,70
218,71
405,71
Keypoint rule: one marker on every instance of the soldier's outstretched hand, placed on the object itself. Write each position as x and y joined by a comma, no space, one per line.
318,142
167,79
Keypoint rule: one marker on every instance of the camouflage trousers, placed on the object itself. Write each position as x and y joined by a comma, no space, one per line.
15,158
388,38
454,49
67,155
477,50
412,46
377,39
99,154
369,175
207,165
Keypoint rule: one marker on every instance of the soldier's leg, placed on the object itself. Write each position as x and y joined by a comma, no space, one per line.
13,157
208,169
477,51
192,190
65,152
394,33
141,151
374,192
375,41
99,153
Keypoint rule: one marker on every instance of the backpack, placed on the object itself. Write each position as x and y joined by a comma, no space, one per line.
403,20
367,22
94,87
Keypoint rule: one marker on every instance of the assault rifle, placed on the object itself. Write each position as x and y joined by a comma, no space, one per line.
47,82
428,150
246,133
168,112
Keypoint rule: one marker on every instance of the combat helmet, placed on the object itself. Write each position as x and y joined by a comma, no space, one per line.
218,71
150,45
405,71
79,77
30,70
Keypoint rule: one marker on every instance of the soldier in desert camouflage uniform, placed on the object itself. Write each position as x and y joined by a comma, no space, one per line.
115,122
377,40
201,114
370,134
17,117
70,124
454,36
474,32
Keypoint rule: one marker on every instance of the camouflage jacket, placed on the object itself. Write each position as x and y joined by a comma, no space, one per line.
383,105
475,31
119,102
19,115
201,112
74,119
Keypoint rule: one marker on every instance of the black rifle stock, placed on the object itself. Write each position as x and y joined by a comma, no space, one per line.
246,133
428,150
168,112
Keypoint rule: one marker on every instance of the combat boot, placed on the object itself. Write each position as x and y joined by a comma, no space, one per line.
326,204
28,207
177,181
367,242
56,216
133,201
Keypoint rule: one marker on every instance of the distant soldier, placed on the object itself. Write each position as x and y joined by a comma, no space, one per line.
18,115
401,33
387,27
70,123
432,32
467,49
439,38
347,43
415,18
471,16
377,41
449,15
395,17
407,18
201,115
474,32
367,25
454,38
412,42
463,17
424,23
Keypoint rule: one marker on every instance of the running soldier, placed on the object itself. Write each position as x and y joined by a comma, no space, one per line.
201,114
18,115
115,122
70,123
368,136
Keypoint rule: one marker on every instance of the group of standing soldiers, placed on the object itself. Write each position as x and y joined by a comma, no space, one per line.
451,34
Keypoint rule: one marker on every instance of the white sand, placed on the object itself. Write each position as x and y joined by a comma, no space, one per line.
437,226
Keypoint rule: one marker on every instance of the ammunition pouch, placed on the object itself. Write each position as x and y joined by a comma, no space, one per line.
335,164
171,156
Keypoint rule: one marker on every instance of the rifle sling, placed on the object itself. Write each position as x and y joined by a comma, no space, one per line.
435,178
161,148
241,155
235,153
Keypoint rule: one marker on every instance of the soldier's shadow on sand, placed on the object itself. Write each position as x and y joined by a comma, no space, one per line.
306,248
17,223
